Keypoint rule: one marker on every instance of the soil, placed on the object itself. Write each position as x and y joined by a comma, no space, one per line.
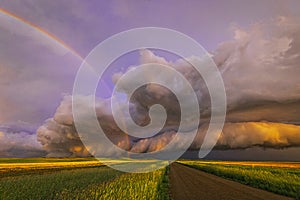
188,183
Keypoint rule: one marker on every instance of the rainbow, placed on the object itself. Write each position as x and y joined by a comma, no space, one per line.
45,34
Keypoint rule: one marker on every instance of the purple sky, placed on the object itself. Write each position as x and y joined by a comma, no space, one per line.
35,73
41,76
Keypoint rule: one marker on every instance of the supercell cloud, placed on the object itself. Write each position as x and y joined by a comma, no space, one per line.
260,69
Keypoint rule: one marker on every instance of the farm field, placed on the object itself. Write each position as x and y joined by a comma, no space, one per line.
189,183
281,178
76,179
86,178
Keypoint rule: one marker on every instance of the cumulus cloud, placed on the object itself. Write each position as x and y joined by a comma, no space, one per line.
260,69
19,143
261,63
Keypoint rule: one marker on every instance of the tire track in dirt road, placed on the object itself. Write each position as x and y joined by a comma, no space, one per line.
188,183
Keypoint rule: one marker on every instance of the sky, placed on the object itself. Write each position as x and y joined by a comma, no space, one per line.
255,45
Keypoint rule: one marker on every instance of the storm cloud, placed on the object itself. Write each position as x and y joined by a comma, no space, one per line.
260,69
17,142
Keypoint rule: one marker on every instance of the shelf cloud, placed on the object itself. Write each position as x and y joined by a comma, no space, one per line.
260,69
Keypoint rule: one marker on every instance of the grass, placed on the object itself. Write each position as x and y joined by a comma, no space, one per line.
277,178
77,179
20,167
50,186
43,160
142,186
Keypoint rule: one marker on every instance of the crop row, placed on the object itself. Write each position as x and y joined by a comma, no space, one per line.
134,186
49,185
98,182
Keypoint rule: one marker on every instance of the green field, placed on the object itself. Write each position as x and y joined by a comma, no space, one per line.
76,179
88,179
280,178
43,160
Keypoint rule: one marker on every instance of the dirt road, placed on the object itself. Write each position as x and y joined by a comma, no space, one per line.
188,183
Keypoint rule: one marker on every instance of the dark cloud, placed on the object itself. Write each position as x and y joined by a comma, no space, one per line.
254,153
261,76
